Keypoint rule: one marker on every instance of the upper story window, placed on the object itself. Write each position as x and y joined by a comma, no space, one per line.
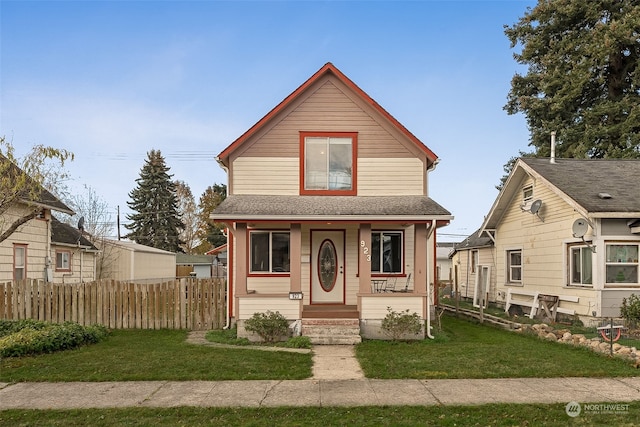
63,261
514,266
269,252
328,163
19,262
386,251
527,193
621,264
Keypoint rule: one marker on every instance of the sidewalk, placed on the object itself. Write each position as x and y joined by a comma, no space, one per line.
337,381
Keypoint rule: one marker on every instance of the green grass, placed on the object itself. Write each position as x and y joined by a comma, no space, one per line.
486,415
148,355
466,349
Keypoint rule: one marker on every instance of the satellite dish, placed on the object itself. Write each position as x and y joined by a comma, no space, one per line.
535,206
81,224
579,227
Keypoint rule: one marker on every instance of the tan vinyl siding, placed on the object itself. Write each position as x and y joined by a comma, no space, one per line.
391,176
268,285
250,305
34,234
375,307
266,175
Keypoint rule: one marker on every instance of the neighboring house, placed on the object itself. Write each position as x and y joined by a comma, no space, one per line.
125,260
469,257
200,266
568,228
328,203
73,255
444,270
219,254
26,253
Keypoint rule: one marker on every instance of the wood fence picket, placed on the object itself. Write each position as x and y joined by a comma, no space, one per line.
188,303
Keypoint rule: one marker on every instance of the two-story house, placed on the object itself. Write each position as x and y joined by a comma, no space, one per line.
328,212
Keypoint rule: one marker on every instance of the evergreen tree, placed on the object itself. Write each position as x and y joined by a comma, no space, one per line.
156,222
583,77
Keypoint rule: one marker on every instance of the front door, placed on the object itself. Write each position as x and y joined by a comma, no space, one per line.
327,267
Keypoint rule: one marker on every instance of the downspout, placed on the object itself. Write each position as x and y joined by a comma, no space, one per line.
228,307
432,229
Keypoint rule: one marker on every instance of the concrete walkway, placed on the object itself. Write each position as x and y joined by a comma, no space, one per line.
337,381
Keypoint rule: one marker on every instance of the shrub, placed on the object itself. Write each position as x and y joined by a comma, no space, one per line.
35,337
396,325
269,326
630,310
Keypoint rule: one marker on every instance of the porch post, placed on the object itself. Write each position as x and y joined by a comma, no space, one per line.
364,259
241,260
295,258
420,258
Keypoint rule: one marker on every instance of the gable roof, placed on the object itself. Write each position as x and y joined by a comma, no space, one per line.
327,69
66,235
582,183
136,247
476,240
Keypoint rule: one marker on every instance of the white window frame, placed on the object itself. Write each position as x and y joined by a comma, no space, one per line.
527,193
63,260
380,255
582,250
270,268
334,180
510,268
616,260
19,267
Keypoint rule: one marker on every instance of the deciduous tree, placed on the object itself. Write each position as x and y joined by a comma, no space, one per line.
189,214
210,233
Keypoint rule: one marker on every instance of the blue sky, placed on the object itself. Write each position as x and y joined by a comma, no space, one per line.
112,80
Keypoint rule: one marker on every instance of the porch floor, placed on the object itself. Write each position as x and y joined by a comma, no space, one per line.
330,311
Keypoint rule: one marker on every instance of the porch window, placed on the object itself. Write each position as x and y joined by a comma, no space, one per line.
328,163
19,262
386,251
514,266
269,252
580,266
621,264
63,261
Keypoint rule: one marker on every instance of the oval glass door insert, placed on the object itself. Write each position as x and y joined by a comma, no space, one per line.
327,265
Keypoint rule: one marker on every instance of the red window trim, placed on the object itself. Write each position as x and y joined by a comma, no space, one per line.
354,165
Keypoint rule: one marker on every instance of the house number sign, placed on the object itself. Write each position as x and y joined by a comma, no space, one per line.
365,250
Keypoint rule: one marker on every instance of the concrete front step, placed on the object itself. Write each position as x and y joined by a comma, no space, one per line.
332,331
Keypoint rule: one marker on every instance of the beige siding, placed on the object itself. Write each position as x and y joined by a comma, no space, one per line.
34,234
543,241
268,285
390,176
266,175
84,261
154,266
252,304
375,306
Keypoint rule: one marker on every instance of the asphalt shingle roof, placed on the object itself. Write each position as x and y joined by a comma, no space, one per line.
327,206
583,180
66,234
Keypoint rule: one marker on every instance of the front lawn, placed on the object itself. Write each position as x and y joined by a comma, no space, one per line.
465,349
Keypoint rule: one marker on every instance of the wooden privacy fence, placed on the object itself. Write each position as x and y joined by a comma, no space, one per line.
188,303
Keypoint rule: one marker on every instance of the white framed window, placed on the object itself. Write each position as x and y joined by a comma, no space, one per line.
580,266
514,266
328,162
269,252
63,261
386,251
527,193
19,262
621,264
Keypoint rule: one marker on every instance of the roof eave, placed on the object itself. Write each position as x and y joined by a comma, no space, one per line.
336,218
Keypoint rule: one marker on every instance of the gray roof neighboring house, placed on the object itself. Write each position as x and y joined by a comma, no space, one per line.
598,188
473,241
186,259
65,234
269,207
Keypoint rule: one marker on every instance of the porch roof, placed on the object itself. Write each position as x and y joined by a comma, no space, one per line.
341,208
